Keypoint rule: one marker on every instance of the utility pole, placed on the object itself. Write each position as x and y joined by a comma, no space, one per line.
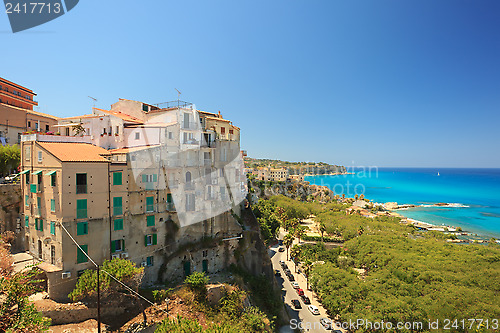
98,302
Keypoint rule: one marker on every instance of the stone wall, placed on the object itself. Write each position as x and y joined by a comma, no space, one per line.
10,220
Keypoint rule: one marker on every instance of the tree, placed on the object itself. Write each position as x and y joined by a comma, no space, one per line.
300,231
10,157
122,269
322,229
288,241
197,282
307,269
17,314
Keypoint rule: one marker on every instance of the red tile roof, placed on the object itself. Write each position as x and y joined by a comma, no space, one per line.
75,152
123,116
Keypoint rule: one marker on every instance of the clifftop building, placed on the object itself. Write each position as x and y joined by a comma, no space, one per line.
155,185
17,115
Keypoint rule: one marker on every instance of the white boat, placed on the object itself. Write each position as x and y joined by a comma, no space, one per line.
438,173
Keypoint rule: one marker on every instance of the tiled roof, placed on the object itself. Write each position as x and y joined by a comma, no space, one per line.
75,151
123,116
131,149
36,113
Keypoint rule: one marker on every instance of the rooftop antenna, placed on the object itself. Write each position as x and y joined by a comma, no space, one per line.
178,98
95,100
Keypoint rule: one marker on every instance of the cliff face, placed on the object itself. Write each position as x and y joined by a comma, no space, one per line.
317,169
10,205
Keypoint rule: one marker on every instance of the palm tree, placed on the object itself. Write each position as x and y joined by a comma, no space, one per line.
295,252
288,241
299,232
307,269
322,229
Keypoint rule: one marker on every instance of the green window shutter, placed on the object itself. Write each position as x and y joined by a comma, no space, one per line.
154,239
52,228
155,178
117,178
117,206
82,228
80,256
144,178
33,188
81,209
53,180
39,205
41,225
150,220
118,224
150,204
26,199
52,205
113,246
36,224
169,197
146,240
27,221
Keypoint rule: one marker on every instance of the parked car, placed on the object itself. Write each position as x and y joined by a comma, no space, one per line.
281,249
280,242
296,304
314,309
295,285
305,299
282,263
287,271
277,272
300,292
290,277
327,323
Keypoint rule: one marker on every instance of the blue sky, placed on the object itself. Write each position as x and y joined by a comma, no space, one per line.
385,83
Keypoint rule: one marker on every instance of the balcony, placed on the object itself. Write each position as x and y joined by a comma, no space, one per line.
189,125
151,208
189,186
207,162
170,206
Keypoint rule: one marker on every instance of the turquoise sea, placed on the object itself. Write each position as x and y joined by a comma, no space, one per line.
475,191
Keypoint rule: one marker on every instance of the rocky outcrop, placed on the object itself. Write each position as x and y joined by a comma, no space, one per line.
10,206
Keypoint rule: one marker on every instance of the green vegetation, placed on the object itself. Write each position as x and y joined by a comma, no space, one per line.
386,271
122,269
197,282
10,157
17,314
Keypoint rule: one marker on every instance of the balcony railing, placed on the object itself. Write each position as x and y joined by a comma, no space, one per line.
189,186
170,206
81,189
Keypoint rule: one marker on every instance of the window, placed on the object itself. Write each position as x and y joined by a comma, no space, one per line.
205,253
145,107
150,178
36,126
52,254
222,130
117,178
39,178
81,183
52,205
190,202
117,130
39,224
118,224
53,228
26,221
29,124
39,157
149,261
137,135
231,131
81,208
117,206
27,153
170,135
150,240
26,200
150,220
46,128
82,228
117,245
150,204
67,131
53,179
27,179
81,255
186,120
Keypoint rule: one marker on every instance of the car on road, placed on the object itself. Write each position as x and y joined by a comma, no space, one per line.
296,304
300,292
290,277
295,285
281,249
305,299
287,271
327,323
314,309
280,242
282,263
277,273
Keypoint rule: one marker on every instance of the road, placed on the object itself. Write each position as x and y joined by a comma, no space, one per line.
309,321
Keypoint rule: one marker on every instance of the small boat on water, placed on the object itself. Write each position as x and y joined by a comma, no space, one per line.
438,173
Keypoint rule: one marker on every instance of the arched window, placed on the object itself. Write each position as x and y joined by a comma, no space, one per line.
188,177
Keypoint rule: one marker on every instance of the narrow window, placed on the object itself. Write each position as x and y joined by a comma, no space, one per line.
39,157
150,240
81,209
150,204
117,178
81,255
117,245
137,135
52,205
118,224
81,183
117,206
26,221
82,228
52,228
52,254
149,261
53,179
150,220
